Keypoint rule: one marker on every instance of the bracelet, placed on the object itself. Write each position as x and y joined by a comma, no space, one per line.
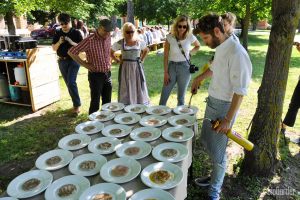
228,120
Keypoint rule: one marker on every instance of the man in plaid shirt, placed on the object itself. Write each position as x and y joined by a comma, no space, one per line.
97,49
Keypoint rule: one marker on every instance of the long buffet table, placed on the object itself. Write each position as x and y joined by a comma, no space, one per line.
179,192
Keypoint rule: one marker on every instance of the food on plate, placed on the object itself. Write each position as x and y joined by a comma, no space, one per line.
115,131
87,165
144,134
119,170
103,196
153,122
88,128
185,110
104,145
74,142
30,184
160,176
169,153
127,119
53,160
135,109
66,190
177,134
181,121
112,107
157,111
131,151
101,116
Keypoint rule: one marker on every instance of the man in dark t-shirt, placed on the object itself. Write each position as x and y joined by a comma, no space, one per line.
63,40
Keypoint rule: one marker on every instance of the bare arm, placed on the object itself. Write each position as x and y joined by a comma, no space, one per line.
144,54
57,44
234,107
196,47
199,79
81,62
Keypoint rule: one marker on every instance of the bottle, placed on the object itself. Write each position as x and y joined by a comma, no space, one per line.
235,136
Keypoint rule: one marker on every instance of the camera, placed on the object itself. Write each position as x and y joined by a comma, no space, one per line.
193,68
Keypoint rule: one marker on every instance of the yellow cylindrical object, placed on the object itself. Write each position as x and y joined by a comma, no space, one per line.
203,69
240,140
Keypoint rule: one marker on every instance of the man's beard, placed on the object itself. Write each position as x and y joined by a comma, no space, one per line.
214,42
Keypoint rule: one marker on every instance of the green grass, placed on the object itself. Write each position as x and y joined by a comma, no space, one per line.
25,136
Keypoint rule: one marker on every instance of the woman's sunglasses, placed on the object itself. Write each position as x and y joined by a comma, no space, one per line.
63,23
129,32
184,26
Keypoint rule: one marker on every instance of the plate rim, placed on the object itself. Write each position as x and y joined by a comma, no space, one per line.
41,158
170,196
168,110
142,139
136,105
100,120
65,147
47,184
122,106
156,116
80,131
170,119
97,139
148,148
133,115
171,139
117,136
179,145
86,155
175,110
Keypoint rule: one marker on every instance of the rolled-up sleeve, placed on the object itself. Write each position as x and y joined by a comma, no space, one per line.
80,47
240,72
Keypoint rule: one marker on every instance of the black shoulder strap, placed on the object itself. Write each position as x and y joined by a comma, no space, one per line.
182,51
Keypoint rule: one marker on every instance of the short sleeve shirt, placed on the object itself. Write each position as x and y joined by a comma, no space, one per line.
175,52
73,34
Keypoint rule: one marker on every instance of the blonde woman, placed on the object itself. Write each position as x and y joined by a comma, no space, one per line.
176,67
132,81
229,20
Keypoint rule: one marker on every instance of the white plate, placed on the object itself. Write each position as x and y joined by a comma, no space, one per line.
134,168
184,109
93,146
187,134
74,166
8,198
125,130
81,183
135,108
174,170
181,152
136,134
151,120
113,106
158,110
188,120
102,116
116,191
64,143
131,118
64,155
98,126
157,194
15,189
144,149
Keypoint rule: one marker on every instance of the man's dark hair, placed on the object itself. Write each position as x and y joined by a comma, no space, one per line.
207,24
64,17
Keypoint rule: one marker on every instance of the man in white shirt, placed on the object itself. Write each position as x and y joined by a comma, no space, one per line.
231,74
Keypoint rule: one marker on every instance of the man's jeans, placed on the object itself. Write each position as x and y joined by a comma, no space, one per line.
69,70
178,72
100,85
215,144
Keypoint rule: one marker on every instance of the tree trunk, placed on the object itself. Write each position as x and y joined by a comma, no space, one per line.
266,122
9,18
114,21
130,11
246,22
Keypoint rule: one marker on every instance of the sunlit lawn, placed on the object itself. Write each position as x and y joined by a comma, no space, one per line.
29,137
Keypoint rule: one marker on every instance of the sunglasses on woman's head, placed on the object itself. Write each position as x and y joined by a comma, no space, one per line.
182,26
129,32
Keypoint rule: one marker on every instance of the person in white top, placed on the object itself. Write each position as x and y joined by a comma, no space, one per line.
231,74
132,81
176,64
229,20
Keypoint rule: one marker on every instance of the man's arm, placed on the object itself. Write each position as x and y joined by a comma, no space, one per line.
57,44
199,79
234,107
80,61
